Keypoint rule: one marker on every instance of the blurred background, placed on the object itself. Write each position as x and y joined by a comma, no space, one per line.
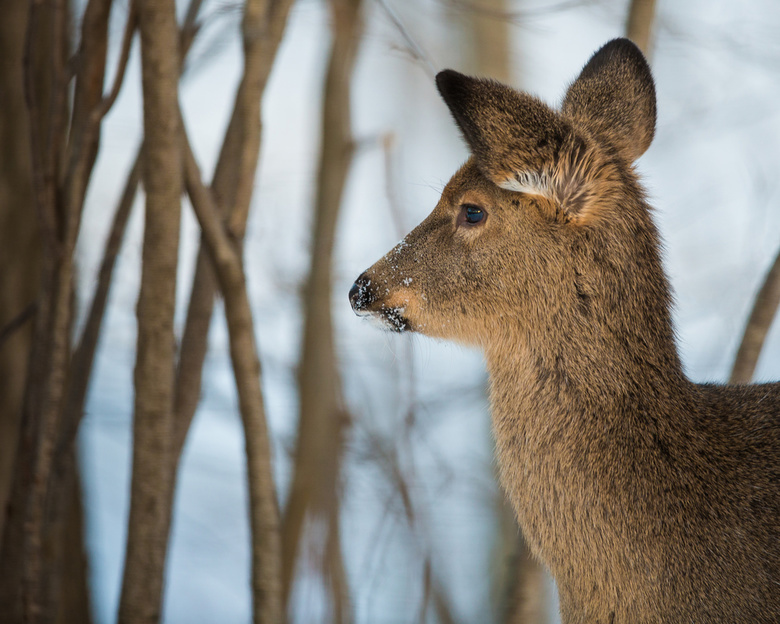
380,445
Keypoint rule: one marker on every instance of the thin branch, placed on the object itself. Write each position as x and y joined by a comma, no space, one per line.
84,354
263,506
17,322
323,420
124,54
414,48
263,31
84,139
189,28
757,328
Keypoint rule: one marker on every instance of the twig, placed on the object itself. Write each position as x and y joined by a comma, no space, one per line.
18,321
84,354
761,317
415,50
101,110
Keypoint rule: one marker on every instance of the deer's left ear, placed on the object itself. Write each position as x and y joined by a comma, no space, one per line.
514,137
614,99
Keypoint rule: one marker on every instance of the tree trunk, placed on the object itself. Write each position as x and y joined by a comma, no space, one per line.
142,586
29,568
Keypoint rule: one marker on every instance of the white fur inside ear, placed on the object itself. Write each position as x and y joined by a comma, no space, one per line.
531,182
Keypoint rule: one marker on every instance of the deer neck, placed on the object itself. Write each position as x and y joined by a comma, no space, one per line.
570,420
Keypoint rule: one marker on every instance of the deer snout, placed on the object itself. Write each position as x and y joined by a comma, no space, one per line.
388,312
360,295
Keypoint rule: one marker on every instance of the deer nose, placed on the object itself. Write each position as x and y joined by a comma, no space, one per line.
360,295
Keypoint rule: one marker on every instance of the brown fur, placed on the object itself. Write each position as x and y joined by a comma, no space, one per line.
649,497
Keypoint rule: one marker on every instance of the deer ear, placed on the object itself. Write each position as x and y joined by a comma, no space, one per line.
514,137
614,99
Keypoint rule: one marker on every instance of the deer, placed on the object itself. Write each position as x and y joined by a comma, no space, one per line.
649,498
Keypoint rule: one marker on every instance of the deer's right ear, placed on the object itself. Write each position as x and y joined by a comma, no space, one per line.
513,136
614,98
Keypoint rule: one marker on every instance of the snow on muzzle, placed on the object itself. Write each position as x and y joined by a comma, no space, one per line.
367,304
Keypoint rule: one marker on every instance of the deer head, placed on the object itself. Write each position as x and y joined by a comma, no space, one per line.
538,228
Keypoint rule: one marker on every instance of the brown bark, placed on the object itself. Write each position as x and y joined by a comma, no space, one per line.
263,508
43,544
142,585
761,317
639,24
84,354
28,569
19,240
263,27
314,489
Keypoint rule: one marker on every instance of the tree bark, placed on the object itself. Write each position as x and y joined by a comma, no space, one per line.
142,586
29,565
314,491
761,317
20,253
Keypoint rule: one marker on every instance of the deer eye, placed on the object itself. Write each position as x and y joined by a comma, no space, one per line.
471,214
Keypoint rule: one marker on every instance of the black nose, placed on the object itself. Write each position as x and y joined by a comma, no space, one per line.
360,295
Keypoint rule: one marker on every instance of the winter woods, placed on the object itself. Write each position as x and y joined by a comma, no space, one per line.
193,426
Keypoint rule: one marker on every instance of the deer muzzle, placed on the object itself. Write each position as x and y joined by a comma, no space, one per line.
366,303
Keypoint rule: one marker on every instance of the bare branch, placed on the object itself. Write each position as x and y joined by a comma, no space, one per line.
124,54
242,142
263,506
18,321
415,50
323,418
142,584
189,28
764,310
84,354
